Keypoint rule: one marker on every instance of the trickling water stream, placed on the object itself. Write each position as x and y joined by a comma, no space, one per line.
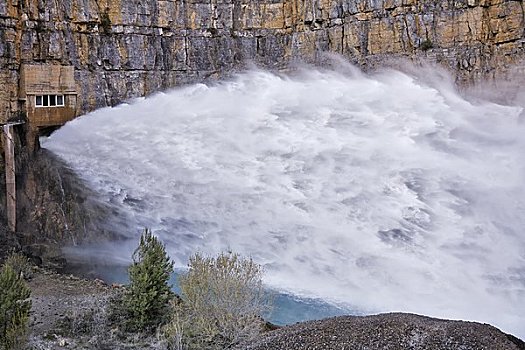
376,193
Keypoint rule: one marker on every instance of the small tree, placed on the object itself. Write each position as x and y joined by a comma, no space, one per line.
223,301
14,308
148,296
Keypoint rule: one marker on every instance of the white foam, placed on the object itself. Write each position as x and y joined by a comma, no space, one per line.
378,192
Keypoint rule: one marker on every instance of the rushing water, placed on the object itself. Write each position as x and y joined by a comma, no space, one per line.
376,193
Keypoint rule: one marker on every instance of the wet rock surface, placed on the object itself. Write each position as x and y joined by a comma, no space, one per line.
55,209
386,331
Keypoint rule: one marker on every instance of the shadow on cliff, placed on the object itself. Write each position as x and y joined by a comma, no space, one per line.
54,208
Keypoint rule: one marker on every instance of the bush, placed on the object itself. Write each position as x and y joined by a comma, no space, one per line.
14,308
174,330
147,298
20,264
223,302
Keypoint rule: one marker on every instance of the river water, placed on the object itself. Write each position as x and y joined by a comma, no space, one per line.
373,193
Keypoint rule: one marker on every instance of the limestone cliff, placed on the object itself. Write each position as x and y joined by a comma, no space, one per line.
127,48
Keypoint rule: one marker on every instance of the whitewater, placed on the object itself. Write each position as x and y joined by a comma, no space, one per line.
380,192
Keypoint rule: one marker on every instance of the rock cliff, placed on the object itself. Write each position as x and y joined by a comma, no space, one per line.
123,49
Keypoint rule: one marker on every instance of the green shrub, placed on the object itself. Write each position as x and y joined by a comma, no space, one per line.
20,265
147,298
223,302
14,308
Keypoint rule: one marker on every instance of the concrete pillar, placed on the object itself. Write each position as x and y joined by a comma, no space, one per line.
9,151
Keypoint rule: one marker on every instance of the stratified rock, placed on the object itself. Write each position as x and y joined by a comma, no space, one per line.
124,49
386,331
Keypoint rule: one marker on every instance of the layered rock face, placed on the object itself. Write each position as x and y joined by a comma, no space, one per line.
127,48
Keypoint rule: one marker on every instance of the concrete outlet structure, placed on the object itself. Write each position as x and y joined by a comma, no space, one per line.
48,94
48,97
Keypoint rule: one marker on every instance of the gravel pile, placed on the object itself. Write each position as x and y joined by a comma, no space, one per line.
386,331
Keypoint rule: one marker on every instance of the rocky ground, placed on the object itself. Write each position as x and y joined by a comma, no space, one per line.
63,306
69,312
395,331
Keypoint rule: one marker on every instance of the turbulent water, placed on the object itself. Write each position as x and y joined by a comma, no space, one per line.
375,192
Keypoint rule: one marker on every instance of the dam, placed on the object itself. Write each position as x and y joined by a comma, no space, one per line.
389,187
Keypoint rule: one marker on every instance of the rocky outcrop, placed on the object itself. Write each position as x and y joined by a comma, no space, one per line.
54,208
386,331
122,49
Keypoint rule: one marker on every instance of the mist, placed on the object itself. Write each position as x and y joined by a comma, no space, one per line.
375,192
